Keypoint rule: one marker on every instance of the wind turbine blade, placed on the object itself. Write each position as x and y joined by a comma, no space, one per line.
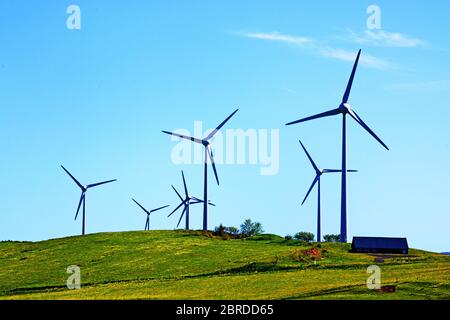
99,183
355,116
73,178
210,154
79,205
147,223
153,210
181,217
336,170
184,183
145,210
350,80
184,137
310,188
197,200
179,196
317,116
209,136
309,157
176,209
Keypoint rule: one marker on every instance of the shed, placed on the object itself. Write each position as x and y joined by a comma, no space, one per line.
379,245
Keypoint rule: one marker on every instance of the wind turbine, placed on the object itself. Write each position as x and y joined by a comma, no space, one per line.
187,201
344,109
208,154
83,196
319,173
147,222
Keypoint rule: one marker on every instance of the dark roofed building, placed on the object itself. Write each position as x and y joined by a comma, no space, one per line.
379,245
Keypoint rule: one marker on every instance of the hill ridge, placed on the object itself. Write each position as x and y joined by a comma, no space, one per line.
161,264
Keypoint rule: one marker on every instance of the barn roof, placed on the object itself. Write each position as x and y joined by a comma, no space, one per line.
380,242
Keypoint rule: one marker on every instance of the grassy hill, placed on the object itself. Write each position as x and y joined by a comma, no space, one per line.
197,265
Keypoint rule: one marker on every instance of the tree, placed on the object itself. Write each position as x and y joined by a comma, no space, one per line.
332,237
249,228
232,230
305,236
220,230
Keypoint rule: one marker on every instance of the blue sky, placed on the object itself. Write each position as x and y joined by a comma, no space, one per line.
96,100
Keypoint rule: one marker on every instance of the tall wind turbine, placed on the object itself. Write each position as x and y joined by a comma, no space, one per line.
147,222
186,202
208,154
319,173
344,109
83,196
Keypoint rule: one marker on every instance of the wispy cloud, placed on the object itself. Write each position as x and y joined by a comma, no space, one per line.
430,85
275,36
387,39
346,55
318,48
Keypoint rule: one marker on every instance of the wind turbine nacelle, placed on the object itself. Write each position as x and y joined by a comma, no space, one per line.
344,107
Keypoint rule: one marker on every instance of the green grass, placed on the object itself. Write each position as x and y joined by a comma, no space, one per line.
195,265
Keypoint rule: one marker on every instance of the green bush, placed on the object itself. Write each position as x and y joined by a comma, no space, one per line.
332,237
232,230
249,228
226,232
305,236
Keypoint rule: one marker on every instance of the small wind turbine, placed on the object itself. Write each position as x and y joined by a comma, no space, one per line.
344,109
186,202
83,196
147,222
208,154
319,173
